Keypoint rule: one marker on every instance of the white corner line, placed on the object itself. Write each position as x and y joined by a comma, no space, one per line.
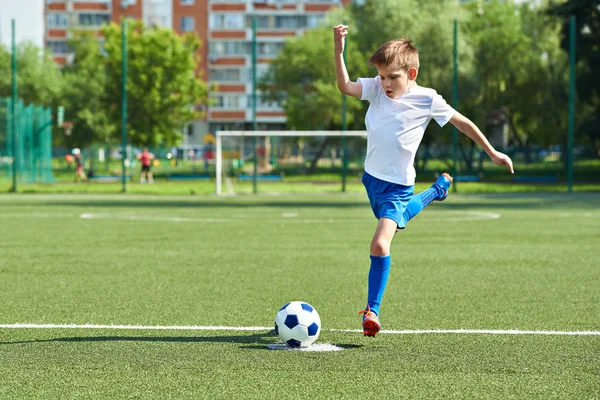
265,328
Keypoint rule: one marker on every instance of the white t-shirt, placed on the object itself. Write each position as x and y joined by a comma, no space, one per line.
396,127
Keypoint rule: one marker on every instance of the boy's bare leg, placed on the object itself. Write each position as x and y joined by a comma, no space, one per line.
378,274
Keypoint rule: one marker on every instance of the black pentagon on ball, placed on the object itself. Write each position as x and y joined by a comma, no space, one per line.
307,307
284,306
276,329
291,321
313,329
293,343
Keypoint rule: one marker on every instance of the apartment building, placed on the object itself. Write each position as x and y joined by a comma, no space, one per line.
225,29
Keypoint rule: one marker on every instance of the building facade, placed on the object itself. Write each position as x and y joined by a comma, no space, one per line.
225,29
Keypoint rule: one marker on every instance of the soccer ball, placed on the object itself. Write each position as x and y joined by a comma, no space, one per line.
297,324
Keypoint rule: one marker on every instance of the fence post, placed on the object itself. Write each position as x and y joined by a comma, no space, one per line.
14,95
572,43
124,102
254,138
455,105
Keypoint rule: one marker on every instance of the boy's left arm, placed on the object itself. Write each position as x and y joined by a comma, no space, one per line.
466,126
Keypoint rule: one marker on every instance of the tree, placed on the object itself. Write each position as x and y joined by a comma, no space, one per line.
518,69
84,95
587,37
163,85
38,77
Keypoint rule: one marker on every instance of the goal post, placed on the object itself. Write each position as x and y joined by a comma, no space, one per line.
285,155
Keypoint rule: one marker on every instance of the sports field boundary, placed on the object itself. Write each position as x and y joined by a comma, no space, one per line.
264,328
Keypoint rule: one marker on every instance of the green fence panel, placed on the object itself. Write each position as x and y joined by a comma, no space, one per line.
32,156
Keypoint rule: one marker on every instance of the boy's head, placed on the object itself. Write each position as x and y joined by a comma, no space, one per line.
397,54
397,62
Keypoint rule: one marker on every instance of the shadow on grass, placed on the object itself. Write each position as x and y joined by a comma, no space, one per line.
257,341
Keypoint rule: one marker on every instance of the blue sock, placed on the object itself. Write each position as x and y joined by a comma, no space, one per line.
378,276
420,201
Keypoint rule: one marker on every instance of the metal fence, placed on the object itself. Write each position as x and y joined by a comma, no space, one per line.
25,154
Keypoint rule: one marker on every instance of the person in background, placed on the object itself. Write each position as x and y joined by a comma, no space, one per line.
79,172
146,158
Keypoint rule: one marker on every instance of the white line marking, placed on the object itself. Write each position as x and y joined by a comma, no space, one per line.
289,218
149,218
267,328
135,327
37,215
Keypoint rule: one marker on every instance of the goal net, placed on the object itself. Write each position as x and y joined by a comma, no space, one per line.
288,161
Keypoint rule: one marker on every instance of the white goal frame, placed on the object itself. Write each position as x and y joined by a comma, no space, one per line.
220,134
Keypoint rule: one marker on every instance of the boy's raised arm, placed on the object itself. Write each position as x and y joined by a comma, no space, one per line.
466,126
345,85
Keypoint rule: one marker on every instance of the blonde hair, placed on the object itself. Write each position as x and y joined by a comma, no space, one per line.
396,54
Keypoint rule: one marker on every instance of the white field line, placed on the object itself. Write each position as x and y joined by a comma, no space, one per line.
291,217
265,328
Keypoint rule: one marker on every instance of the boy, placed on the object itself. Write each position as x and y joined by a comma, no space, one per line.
399,111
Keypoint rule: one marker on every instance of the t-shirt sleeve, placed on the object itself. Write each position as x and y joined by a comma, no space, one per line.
369,88
441,111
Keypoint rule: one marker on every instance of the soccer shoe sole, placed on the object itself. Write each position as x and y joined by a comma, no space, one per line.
370,327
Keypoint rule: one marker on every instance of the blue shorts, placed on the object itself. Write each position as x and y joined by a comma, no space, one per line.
388,200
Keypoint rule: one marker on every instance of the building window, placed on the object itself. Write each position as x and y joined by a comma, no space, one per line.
262,21
57,20
261,70
157,20
226,21
59,47
225,75
228,48
187,24
290,22
270,49
186,2
264,103
280,21
228,101
93,20
313,21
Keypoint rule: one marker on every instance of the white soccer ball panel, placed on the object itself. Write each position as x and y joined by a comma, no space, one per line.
280,318
305,318
284,333
299,333
308,341
295,307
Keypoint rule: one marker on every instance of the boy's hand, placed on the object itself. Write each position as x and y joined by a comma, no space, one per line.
502,159
339,35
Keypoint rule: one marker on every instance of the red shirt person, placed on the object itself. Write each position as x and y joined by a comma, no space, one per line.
146,158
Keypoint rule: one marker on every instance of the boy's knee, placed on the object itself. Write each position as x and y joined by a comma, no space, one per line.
380,247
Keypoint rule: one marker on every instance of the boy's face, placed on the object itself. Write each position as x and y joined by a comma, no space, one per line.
396,82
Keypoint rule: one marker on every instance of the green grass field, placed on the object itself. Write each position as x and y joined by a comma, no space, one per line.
188,264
